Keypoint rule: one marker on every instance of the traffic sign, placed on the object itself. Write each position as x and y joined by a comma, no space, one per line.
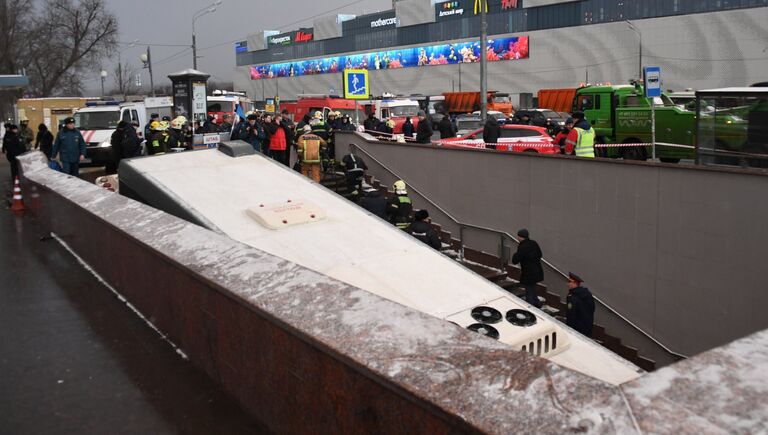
356,84
652,79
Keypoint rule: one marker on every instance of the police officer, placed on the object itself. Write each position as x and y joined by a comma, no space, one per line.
422,229
399,206
581,140
581,306
71,146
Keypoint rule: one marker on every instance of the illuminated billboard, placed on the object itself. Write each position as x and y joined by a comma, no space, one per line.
511,48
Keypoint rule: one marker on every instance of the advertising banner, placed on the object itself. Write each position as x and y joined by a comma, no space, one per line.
511,48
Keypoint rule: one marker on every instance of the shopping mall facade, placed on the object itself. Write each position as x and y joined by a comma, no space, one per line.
427,47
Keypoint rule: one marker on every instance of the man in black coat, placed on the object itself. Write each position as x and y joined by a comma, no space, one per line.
375,203
491,132
422,229
446,128
12,147
44,140
581,306
529,255
424,129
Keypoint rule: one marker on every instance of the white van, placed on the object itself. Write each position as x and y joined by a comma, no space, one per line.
98,120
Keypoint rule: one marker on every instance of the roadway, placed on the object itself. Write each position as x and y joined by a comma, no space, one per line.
75,359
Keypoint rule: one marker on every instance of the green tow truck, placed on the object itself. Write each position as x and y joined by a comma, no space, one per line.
622,114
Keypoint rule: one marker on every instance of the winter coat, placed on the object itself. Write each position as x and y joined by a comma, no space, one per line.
528,255
580,314
371,123
424,131
375,203
491,131
131,143
408,129
117,139
26,136
44,142
426,233
70,144
12,145
446,128
277,136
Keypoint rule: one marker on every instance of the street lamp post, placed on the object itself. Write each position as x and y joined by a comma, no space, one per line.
640,51
146,58
103,75
205,11
483,61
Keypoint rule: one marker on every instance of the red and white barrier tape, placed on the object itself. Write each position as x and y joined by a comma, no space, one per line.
498,144
633,145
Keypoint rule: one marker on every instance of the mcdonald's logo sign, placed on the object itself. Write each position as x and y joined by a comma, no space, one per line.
480,4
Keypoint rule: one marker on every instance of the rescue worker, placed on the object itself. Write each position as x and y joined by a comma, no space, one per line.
446,128
116,140
319,126
176,131
332,120
309,149
399,206
158,142
253,133
13,147
580,314
562,136
346,125
528,256
423,129
374,202
44,140
491,132
70,145
147,128
300,125
355,168
581,140
387,127
422,229
408,129
26,135
226,123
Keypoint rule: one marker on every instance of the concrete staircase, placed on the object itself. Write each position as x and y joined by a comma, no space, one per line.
490,267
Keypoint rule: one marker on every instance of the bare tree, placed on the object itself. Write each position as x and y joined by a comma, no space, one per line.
15,20
124,77
66,38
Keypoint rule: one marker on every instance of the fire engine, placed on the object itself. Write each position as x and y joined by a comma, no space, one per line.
227,102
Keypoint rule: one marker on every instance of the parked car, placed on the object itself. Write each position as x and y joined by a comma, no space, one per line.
549,119
514,138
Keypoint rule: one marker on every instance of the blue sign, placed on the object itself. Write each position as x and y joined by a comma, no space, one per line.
652,80
356,85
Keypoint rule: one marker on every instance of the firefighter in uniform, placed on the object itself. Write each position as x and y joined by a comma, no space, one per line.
399,206
309,149
581,139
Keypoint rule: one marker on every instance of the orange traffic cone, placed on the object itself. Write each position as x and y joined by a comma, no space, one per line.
18,202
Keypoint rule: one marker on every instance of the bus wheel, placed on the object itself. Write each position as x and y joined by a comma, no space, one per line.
634,153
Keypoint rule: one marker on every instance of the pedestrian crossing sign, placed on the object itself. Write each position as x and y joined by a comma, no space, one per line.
356,84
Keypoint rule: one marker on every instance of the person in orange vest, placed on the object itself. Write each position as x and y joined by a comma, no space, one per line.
309,149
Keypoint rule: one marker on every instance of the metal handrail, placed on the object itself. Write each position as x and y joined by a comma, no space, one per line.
511,237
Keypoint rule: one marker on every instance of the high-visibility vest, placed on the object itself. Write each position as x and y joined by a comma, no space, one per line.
585,146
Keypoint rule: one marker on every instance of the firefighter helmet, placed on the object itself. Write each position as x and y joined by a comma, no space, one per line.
318,115
154,125
399,187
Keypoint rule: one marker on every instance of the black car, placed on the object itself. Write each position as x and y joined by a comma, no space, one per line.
549,119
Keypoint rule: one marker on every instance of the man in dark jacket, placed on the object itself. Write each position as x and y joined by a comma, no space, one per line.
253,133
581,306
424,129
131,141
528,256
44,140
422,229
446,128
70,145
408,129
375,203
13,147
371,122
116,140
491,132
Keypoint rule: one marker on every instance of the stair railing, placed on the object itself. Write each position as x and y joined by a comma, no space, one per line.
504,260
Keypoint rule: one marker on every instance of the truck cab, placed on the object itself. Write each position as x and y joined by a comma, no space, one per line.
227,103
622,114
396,109
308,104
98,120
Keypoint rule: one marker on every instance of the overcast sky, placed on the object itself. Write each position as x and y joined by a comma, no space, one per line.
169,22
